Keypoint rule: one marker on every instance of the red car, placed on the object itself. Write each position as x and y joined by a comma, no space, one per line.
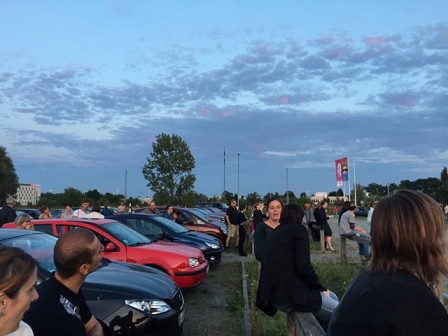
186,265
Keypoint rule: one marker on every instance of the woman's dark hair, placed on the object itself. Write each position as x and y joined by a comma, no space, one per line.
43,208
292,213
96,207
272,200
344,208
16,268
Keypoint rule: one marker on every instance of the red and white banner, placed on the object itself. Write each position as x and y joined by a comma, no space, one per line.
339,179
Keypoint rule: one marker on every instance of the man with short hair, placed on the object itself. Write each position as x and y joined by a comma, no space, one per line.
83,211
7,213
232,223
68,212
61,308
152,209
347,228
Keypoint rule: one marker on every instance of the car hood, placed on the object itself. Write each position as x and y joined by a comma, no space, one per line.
185,250
202,237
147,282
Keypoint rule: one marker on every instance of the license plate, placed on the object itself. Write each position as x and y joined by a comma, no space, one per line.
180,319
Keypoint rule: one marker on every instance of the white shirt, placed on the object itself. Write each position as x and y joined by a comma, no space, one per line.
94,215
24,330
79,213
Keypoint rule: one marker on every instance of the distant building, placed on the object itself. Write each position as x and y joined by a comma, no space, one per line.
28,193
320,196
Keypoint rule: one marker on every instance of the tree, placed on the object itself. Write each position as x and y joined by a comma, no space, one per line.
253,198
168,172
9,182
71,196
93,195
444,186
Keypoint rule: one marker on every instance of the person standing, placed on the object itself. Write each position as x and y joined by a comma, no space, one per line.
310,220
232,223
7,213
274,210
62,309
401,291
288,281
241,230
68,212
169,213
45,212
369,216
152,209
121,208
335,211
23,221
322,219
96,212
83,211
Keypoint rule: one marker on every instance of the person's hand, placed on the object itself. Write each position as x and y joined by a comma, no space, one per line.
327,293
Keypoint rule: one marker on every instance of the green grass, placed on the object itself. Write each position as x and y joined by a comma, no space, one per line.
335,276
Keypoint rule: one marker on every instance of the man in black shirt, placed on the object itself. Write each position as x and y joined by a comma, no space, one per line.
232,222
61,308
7,213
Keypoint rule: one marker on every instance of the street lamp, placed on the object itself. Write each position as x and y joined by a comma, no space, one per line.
287,189
238,201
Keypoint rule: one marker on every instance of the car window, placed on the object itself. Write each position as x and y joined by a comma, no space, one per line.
198,220
125,235
47,228
170,225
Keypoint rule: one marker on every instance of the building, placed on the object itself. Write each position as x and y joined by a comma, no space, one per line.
320,196
28,193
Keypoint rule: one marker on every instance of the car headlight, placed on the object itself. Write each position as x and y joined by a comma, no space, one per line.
193,262
213,246
152,307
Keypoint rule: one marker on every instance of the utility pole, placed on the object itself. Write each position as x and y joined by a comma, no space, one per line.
287,188
224,191
238,201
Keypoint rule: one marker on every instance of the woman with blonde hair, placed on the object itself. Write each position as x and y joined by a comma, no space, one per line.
18,276
400,292
23,221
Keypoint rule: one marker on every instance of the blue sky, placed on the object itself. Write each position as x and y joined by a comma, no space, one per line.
85,87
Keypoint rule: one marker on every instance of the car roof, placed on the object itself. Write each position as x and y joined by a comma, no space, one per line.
11,233
73,220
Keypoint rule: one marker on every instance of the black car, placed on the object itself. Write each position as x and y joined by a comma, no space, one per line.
150,304
156,227
361,212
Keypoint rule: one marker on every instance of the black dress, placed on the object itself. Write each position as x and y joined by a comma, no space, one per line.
322,220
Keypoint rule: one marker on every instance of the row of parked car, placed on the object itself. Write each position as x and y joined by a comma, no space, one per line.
147,260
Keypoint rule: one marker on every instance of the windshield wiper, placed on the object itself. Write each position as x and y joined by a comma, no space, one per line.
139,244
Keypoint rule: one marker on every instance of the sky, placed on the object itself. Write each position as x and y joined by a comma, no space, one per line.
284,87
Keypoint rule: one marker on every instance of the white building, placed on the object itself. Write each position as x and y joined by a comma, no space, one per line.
28,193
320,196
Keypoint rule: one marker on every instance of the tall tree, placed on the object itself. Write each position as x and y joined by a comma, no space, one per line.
444,186
9,182
168,171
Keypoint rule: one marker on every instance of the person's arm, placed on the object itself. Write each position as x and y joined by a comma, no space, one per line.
75,214
227,218
93,327
259,238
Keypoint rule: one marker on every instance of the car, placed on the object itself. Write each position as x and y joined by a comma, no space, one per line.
210,214
198,223
219,205
150,304
34,213
56,213
159,228
361,212
186,265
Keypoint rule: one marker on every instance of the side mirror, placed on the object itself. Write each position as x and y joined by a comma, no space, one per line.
110,247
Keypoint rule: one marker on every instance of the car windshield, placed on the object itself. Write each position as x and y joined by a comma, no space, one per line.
170,225
125,235
39,246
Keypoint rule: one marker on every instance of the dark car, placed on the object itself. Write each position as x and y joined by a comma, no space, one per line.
150,304
219,205
34,213
195,223
361,212
159,228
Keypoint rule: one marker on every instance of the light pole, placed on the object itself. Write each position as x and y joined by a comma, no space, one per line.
238,201
287,191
